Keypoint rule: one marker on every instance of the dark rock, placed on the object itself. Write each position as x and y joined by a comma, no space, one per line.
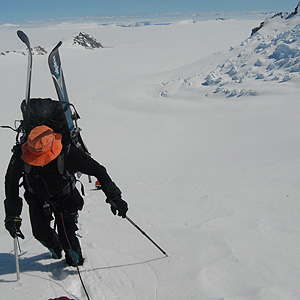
87,41
281,15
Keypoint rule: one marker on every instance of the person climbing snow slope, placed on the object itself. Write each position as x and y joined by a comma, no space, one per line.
48,170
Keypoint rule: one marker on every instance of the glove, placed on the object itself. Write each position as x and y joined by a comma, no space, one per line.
113,194
12,225
118,205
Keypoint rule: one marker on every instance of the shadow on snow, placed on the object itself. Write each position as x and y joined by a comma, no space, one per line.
30,264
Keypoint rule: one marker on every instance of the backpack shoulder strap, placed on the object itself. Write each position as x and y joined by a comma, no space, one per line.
27,168
62,160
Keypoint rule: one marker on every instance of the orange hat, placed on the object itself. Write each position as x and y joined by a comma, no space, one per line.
42,147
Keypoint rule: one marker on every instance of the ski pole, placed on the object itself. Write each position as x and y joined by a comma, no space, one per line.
17,257
146,235
139,229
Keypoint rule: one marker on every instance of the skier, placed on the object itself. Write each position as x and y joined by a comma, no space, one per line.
48,170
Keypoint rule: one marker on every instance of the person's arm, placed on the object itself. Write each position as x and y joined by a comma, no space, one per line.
13,202
79,161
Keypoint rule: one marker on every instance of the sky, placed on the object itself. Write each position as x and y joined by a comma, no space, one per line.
33,10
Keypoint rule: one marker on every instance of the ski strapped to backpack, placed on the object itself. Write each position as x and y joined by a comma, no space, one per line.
60,86
19,129
61,90
24,38
60,115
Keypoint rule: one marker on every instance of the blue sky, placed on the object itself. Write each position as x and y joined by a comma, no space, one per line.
26,10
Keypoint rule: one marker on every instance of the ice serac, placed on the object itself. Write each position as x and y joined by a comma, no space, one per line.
270,55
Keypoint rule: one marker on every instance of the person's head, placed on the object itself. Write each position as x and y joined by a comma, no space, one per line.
42,146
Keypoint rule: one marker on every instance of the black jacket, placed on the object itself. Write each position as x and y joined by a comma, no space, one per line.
76,161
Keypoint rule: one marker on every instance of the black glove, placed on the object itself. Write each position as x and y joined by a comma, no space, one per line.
13,224
113,194
118,205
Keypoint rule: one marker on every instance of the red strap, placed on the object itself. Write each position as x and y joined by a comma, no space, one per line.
62,298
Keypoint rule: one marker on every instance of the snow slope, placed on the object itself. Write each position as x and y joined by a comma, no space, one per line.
210,172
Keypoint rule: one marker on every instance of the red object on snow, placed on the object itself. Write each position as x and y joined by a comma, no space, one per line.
62,298
98,185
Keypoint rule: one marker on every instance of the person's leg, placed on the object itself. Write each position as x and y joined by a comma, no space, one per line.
42,231
66,225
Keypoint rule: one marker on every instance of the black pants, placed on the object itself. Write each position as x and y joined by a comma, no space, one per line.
64,210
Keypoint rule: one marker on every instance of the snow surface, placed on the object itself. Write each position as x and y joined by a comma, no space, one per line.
198,123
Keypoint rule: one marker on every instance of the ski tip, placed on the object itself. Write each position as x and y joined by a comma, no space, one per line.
20,33
54,50
23,37
57,46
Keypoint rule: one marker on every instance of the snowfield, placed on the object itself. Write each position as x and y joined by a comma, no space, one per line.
198,124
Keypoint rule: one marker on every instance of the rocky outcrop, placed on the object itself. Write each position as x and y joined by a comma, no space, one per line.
281,15
87,41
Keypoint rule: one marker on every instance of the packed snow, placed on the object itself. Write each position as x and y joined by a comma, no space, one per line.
198,123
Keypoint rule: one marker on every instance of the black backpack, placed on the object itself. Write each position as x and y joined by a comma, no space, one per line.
44,111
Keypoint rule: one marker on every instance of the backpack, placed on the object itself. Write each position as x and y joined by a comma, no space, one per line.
44,111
